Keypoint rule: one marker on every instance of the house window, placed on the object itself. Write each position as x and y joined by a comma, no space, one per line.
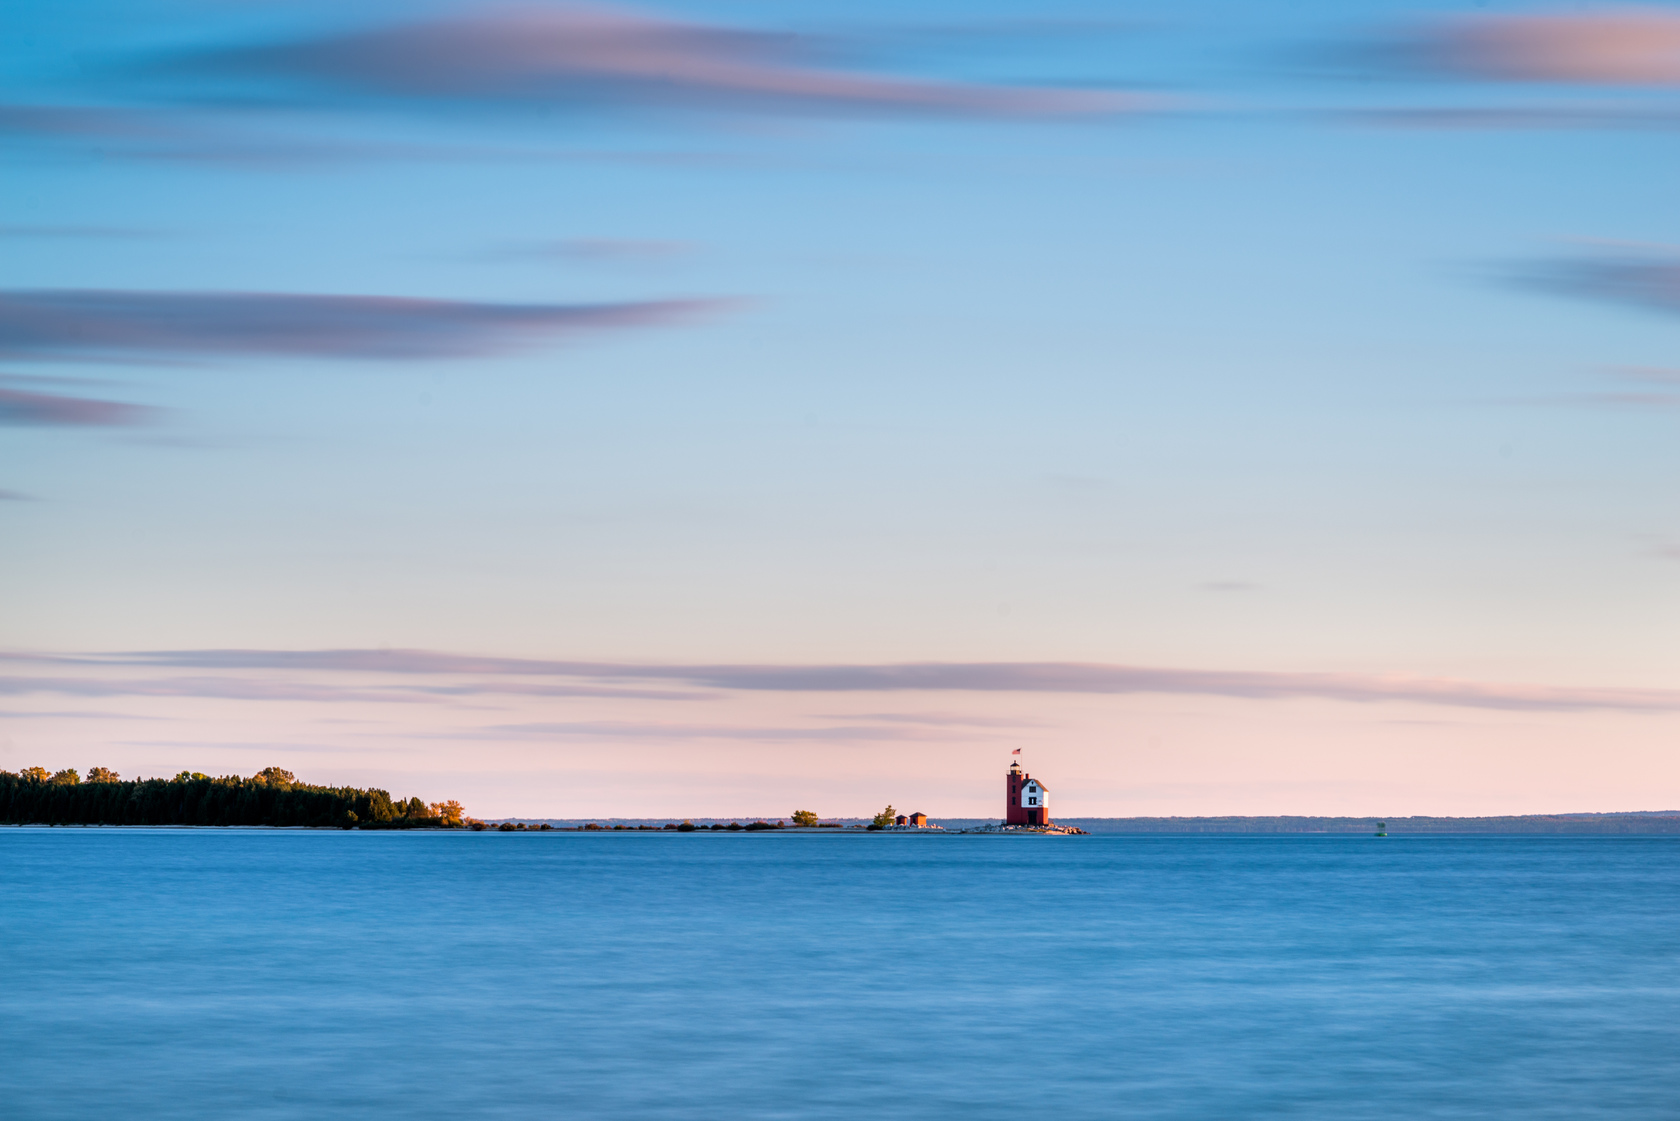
1032,801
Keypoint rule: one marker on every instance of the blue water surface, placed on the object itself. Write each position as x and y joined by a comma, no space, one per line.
292,974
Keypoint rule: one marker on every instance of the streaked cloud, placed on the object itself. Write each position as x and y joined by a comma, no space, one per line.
592,250
987,677
23,407
655,731
606,58
54,323
534,689
259,689
934,719
1561,118
212,688
1641,388
1627,47
1644,279
80,121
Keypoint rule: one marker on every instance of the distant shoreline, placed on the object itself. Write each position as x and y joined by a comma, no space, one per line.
1636,822
1633,823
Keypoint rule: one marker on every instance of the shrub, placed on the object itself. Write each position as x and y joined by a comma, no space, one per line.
686,827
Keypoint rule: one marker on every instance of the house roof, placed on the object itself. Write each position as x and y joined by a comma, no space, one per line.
1035,782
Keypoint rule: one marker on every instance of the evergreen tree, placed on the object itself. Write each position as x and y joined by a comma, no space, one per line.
191,798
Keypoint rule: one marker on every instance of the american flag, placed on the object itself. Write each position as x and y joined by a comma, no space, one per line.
1017,751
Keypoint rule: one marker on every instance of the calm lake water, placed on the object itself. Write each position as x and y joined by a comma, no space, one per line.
254,974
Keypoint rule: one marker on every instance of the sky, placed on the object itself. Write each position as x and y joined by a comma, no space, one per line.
721,409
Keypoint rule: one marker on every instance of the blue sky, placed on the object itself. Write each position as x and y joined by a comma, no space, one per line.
1329,345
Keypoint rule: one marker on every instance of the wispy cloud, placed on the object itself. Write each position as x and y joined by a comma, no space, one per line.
934,719
1564,118
534,689
1632,47
605,58
57,323
22,407
81,121
1606,70
653,730
258,689
212,688
592,250
1641,388
1648,280
990,677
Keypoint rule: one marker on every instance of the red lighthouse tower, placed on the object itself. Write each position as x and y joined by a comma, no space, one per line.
1027,801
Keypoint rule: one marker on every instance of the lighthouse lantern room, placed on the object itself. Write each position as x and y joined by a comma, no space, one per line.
1028,799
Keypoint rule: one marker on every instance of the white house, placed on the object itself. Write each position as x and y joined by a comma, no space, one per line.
1035,797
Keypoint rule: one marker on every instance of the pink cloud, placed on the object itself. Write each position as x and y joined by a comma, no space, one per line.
607,57
654,732
21,407
979,677
211,688
1626,47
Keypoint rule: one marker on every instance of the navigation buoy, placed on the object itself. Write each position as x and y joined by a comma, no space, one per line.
1382,828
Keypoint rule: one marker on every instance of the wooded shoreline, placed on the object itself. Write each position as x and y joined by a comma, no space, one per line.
271,797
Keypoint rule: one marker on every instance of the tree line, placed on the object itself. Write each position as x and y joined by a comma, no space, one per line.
270,797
